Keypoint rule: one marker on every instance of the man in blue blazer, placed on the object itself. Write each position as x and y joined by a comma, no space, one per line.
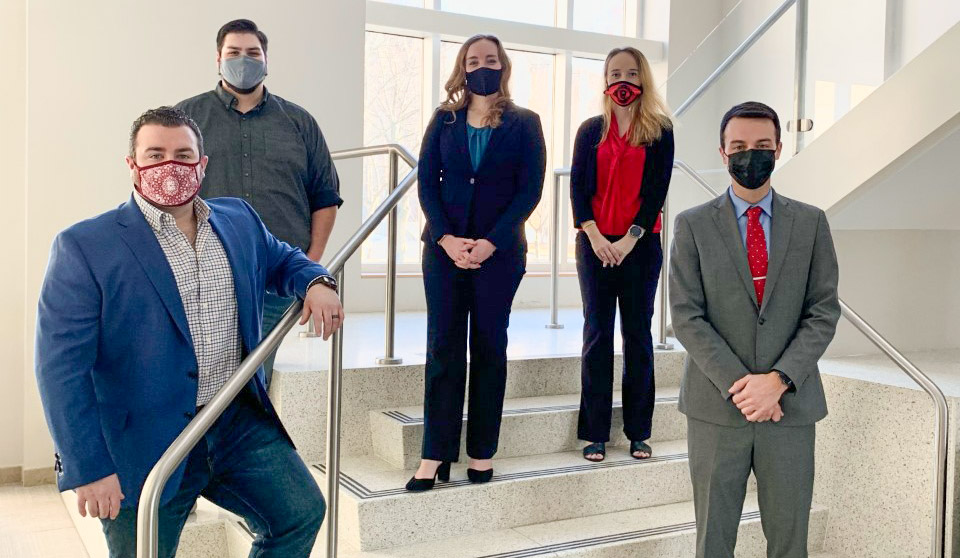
144,314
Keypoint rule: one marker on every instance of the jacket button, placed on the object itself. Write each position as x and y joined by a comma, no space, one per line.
189,415
762,321
473,180
192,374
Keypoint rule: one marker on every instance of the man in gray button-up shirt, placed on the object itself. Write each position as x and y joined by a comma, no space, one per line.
267,151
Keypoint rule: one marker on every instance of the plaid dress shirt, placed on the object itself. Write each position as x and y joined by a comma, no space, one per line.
205,281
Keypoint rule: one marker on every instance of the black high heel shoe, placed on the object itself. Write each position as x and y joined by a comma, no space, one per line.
479,477
422,485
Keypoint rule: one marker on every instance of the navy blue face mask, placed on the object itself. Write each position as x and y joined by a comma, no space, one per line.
484,81
751,168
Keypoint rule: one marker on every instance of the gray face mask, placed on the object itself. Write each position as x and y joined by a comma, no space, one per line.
243,73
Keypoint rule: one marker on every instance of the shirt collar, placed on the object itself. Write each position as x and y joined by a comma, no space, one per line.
229,99
741,206
157,217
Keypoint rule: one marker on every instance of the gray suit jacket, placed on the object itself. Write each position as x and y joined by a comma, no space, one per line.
715,314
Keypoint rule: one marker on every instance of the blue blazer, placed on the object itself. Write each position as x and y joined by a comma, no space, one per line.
495,201
115,362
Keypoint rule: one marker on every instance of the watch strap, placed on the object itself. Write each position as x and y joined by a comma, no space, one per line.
325,280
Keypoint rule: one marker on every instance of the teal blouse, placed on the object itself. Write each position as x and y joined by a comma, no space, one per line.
477,139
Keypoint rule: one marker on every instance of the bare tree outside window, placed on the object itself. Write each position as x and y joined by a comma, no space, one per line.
393,107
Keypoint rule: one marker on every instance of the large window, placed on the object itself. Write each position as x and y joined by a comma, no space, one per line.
406,70
586,92
393,113
539,12
600,16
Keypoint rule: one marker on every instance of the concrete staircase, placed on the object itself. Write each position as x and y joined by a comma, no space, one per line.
545,500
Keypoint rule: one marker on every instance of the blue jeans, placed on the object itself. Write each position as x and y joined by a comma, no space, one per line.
273,308
243,464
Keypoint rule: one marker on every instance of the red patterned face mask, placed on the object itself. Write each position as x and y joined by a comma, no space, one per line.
169,184
623,92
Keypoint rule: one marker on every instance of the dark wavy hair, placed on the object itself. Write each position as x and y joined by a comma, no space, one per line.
168,117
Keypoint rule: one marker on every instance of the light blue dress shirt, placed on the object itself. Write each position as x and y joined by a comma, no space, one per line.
740,208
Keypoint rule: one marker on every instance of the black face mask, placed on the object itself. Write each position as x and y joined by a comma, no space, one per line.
751,168
484,81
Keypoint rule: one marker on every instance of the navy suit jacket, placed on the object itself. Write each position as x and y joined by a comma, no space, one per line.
115,362
494,201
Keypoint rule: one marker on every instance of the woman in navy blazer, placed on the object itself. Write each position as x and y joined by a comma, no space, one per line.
622,163
481,172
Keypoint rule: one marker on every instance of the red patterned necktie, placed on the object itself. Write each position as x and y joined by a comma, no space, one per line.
757,251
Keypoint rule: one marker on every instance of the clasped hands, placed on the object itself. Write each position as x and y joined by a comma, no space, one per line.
467,253
758,396
610,253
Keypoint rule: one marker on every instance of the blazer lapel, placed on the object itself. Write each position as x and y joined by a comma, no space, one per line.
460,139
780,228
508,121
239,260
726,221
139,237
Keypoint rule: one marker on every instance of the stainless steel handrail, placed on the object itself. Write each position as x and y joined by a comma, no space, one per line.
147,519
915,374
734,56
396,152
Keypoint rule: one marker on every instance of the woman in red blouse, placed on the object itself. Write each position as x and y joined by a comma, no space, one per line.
622,163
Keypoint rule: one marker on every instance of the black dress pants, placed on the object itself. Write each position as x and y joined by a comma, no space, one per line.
632,284
466,306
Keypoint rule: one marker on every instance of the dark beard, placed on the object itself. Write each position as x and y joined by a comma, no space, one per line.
239,91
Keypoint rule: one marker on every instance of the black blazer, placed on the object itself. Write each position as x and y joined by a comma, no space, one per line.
495,201
657,171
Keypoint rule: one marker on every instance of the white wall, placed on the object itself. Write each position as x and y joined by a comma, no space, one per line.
904,282
914,25
93,68
12,228
922,194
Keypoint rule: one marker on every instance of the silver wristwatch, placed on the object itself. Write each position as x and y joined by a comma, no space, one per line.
327,281
636,231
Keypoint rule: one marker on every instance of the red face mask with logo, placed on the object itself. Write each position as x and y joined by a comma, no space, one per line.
623,92
169,184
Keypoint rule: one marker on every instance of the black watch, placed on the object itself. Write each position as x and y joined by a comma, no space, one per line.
327,281
636,231
786,381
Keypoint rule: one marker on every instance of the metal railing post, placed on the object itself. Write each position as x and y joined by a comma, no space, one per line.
334,393
662,343
800,125
391,280
555,252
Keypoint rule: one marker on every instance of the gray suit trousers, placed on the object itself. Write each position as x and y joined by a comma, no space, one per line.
782,460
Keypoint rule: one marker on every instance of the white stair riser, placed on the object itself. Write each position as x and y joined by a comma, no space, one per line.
533,433
404,519
301,397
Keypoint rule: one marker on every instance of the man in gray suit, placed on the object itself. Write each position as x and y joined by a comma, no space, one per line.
753,292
